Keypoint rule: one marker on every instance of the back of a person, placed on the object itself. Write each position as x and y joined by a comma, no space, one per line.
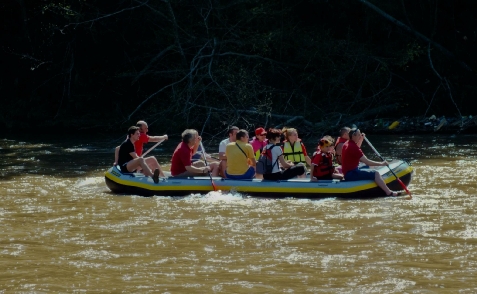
269,162
237,159
180,158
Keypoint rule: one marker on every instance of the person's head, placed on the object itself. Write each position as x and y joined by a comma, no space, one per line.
344,132
232,133
142,125
291,134
274,135
260,134
242,135
355,135
189,136
133,131
326,144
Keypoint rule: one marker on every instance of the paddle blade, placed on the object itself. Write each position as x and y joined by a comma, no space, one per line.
404,187
213,185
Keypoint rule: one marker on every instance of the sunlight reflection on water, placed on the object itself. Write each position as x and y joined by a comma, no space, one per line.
64,231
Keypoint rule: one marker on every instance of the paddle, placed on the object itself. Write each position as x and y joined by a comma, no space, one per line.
205,159
150,149
398,179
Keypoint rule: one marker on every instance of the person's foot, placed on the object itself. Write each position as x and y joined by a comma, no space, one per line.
155,177
394,194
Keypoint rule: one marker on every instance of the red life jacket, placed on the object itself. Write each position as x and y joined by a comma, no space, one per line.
323,165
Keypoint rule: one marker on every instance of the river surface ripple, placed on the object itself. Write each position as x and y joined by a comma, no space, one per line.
63,231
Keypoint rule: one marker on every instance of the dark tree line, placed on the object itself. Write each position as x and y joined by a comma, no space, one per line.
98,64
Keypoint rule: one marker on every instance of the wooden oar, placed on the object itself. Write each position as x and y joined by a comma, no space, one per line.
398,179
150,149
205,159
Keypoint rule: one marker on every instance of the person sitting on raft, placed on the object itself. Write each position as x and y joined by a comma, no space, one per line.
322,161
344,136
352,155
275,155
181,163
258,142
293,148
232,132
240,158
128,160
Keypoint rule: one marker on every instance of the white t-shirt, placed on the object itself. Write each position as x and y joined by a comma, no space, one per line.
223,145
276,152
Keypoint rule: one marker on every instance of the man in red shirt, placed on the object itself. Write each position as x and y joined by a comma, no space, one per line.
351,156
181,163
145,138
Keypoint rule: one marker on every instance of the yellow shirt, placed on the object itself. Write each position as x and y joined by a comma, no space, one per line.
237,163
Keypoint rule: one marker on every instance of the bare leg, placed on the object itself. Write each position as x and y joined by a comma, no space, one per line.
153,164
214,167
222,168
380,182
139,162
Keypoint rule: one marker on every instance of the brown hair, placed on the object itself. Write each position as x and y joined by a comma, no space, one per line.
273,133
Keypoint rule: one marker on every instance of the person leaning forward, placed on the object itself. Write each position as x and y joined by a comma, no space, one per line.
128,160
181,163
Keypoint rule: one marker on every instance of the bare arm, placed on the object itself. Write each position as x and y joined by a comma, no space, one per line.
116,155
158,138
369,162
308,160
284,163
198,170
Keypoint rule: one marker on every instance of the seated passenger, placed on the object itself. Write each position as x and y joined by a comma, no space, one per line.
322,161
293,148
258,142
240,158
352,155
128,160
272,157
223,144
344,136
181,163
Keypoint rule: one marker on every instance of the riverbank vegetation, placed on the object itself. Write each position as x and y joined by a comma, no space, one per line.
315,64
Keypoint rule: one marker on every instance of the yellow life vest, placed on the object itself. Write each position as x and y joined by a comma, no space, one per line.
293,153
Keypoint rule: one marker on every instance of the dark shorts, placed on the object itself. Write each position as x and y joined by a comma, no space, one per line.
124,168
360,174
247,175
289,173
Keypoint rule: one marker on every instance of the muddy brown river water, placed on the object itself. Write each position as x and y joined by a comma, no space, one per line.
62,231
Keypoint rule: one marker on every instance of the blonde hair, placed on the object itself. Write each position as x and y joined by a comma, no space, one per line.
288,131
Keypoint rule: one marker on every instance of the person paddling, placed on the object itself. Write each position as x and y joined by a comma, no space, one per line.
352,155
181,162
129,161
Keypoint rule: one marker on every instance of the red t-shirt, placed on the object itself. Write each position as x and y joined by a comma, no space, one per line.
181,158
138,145
350,156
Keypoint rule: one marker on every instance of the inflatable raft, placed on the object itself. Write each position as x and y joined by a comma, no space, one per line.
138,184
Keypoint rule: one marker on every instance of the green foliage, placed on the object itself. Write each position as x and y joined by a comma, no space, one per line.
250,62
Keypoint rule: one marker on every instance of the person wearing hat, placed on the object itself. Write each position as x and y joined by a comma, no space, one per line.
258,142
